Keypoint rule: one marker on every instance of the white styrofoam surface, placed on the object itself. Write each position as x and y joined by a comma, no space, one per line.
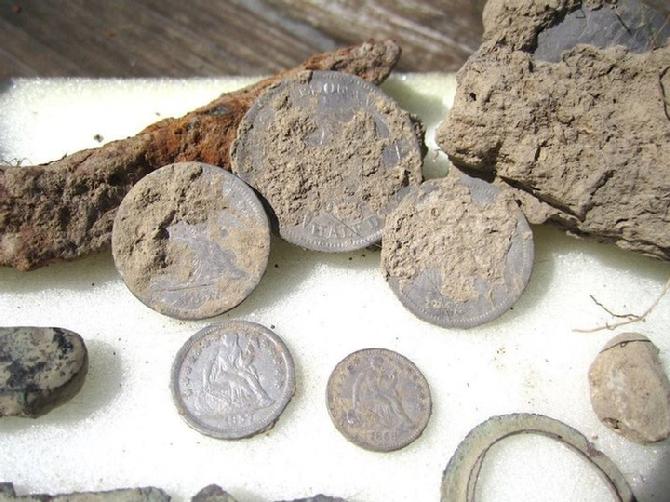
122,429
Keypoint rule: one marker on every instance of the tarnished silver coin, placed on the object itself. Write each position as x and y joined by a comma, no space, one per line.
332,154
629,23
191,240
232,380
378,399
457,251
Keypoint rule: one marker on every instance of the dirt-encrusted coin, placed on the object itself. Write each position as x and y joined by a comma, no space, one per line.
191,240
332,154
233,380
378,399
457,251
40,368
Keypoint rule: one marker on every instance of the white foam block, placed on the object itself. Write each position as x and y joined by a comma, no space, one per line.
122,429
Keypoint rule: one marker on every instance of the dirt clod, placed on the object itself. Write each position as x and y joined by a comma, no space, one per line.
583,142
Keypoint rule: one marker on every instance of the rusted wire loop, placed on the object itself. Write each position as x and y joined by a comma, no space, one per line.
462,473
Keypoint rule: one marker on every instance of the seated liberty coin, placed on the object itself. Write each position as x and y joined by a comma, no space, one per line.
232,380
457,251
332,155
378,399
191,240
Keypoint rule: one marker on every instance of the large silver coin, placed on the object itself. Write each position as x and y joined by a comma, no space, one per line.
378,399
332,155
457,252
191,240
232,380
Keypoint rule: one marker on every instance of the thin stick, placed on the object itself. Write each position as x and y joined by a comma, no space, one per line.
629,318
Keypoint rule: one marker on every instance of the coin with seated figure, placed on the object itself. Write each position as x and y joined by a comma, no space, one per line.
191,240
378,399
233,380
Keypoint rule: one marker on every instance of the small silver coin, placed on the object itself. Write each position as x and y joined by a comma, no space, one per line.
232,380
378,399
332,155
191,240
457,252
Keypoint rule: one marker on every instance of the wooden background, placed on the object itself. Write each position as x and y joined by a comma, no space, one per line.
188,38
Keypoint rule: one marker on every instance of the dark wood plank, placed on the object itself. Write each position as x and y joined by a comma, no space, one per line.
176,38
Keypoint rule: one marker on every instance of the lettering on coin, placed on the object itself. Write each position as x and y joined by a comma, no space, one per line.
233,380
332,155
378,399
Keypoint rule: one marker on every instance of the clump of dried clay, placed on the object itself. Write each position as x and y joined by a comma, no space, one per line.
148,494
630,391
66,208
40,368
583,141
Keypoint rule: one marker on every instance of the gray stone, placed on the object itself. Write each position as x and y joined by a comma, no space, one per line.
147,494
212,493
317,498
630,391
40,368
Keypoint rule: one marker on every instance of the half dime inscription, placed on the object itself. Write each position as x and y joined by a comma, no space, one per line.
332,155
233,380
191,240
378,399
457,251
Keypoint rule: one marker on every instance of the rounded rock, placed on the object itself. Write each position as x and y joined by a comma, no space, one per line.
233,380
191,240
630,391
378,399
332,155
457,251
40,368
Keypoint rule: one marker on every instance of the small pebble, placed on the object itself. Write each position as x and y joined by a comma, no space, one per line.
630,391
40,368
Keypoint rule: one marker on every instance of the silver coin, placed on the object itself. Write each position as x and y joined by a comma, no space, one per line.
629,23
191,240
232,380
378,399
332,154
457,251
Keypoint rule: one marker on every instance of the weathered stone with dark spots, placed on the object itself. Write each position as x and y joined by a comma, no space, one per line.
40,368
213,493
148,494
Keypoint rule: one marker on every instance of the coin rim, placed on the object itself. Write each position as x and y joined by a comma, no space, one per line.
288,391
369,445
501,308
239,147
255,203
